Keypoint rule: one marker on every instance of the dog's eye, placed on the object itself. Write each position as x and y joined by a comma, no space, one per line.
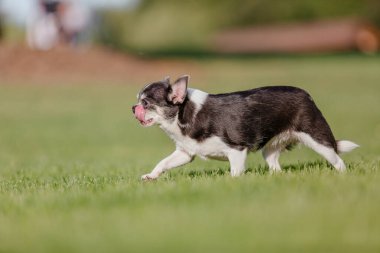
144,102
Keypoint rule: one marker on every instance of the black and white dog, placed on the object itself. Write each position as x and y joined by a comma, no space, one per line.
228,126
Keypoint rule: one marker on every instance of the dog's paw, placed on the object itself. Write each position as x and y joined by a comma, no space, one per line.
148,177
275,172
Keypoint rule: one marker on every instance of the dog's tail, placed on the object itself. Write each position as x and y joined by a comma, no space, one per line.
346,146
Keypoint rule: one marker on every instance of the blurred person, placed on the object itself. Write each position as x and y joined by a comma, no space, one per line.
43,28
57,22
74,20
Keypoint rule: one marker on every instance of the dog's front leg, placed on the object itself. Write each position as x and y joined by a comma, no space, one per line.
237,161
177,158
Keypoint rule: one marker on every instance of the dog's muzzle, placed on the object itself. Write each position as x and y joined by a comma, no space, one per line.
139,112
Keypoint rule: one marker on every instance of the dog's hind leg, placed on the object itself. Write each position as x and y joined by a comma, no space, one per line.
327,152
237,161
271,156
272,150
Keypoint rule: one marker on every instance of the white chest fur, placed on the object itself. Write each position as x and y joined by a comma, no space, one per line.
212,147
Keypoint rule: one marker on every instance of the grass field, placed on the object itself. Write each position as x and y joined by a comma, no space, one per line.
71,157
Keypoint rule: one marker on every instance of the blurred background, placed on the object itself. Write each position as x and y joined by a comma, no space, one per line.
118,36
325,47
72,153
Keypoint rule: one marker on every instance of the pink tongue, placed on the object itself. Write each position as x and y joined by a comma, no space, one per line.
140,113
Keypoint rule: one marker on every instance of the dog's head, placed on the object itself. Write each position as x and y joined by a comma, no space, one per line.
159,102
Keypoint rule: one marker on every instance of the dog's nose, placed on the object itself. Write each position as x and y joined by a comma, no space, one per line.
133,109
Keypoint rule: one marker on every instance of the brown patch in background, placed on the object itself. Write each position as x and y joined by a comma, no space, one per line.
94,64
323,36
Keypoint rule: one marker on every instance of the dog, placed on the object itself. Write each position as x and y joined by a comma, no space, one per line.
228,126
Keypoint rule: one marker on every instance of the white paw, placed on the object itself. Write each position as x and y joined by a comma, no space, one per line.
236,173
273,171
149,176
340,166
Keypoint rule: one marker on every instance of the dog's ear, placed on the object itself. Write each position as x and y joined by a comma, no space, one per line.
166,79
178,90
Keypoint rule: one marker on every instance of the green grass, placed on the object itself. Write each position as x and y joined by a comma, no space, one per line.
71,157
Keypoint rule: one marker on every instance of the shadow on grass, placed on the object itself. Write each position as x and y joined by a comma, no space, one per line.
208,172
260,169
295,167
315,165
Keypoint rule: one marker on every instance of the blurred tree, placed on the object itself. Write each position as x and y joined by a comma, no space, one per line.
161,27
111,27
172,26
244,12
372,11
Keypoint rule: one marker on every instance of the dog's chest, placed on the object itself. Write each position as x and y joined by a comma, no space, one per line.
212,147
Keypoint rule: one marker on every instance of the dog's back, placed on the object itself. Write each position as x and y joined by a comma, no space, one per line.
252,118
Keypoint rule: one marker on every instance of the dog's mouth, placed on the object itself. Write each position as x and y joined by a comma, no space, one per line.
146,122
140,116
